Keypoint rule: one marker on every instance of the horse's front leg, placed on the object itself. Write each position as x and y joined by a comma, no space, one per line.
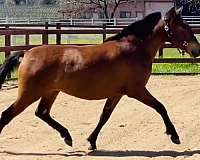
107,111
145,97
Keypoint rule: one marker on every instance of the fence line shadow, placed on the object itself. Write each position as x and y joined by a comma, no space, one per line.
150,154
67,154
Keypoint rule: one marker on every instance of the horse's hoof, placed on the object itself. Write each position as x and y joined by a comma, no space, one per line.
175,140
92,144
92,148
68,142
1,128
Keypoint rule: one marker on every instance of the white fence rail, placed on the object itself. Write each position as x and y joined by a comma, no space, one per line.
113,22
29,20
193,21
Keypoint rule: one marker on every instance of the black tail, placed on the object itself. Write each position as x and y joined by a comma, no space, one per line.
9,64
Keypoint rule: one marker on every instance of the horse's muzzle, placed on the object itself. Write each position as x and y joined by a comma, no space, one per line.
195,52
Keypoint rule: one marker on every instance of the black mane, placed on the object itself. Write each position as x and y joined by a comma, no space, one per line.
140,29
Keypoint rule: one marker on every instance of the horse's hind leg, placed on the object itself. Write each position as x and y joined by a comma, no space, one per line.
107,111
145,97
43,112
15,109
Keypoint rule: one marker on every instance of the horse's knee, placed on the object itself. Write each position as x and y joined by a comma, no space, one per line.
45,105
41,112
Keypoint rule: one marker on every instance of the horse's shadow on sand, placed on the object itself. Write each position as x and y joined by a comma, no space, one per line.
150,154
106,153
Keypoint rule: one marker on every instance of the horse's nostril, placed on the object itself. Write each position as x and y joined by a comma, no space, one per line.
196,52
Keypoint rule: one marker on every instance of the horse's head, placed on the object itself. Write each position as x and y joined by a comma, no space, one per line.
180,34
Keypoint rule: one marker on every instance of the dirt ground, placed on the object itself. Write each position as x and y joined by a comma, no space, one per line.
134,130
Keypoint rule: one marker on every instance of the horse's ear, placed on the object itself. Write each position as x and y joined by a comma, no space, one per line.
179,11
171,13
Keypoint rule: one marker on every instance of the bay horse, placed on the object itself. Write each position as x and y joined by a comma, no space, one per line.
120,66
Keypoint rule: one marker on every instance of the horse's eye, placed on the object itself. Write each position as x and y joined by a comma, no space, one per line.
184,26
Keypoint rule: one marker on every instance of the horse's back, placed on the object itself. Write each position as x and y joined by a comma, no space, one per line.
70,58
70,69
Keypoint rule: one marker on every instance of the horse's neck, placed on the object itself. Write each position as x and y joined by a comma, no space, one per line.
155,41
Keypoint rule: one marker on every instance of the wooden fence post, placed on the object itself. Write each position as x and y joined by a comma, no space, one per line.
7,44
104,32
58,35
27,40
45,38
160,55
7,41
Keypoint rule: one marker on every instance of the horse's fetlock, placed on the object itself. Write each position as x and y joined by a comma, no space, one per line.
64,133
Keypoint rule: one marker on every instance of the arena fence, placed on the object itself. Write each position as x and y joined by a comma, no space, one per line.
58,29
53,19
